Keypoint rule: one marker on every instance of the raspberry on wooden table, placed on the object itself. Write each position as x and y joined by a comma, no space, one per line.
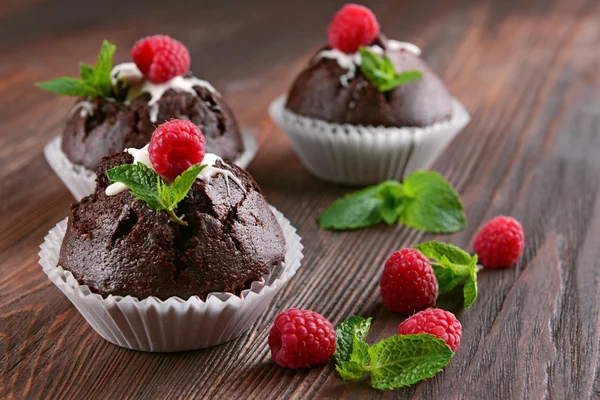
300,338
434,321
408,283
161,58
500,242
175,146
352,26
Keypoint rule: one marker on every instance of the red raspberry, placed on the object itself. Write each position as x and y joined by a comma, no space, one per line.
352,26
300,338
434,321
500,242
175,146
161,58
408,283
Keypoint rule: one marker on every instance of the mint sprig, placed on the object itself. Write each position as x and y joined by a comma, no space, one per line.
380,71
351,351
398,361
452,267
146,185
95,80
424,201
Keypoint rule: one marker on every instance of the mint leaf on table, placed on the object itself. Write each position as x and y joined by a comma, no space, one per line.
380,71
94,82
395,362
390,194
352,352
452,267
146,185
357,210
431,204
404,360
425,201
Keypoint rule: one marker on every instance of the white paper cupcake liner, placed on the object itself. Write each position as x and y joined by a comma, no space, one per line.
362,155
81,181
174,324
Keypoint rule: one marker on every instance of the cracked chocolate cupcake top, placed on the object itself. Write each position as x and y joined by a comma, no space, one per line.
118,107
363,78
115,244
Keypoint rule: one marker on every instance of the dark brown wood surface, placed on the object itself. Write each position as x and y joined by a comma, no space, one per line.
527,71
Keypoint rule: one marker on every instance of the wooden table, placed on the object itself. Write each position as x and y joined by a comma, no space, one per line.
527,71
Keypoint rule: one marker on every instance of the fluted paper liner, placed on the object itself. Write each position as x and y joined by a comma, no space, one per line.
81,181
174,324
360,154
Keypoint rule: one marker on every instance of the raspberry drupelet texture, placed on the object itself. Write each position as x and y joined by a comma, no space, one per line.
352,26
434,321
160,58
500,242
175,146
300,338
408,283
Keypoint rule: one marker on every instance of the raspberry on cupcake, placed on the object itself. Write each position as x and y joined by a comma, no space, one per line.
367,108
119,106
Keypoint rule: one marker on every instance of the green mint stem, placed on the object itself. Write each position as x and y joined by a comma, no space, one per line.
175,218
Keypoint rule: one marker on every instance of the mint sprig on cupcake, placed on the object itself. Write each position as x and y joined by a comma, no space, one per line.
146,185
424,201
175,153
95,80
380,71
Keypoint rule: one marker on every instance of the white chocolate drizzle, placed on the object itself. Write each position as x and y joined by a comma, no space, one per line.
350,62
132,76
85,108
126,72
396,45
210,160
179,83
153,113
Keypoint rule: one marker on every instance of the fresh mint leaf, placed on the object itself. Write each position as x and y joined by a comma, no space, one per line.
357,210
165,194
453,266
68,87
401,79
380,71
142,182
355,326
431,204
390,193
183,183
352,352
86,71
103,67
425,201
470,289
94,82
404,360
145,184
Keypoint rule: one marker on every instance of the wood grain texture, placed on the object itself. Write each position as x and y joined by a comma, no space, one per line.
527,71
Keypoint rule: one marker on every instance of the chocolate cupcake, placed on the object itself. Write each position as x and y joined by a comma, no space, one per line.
171,239
367,108
118,108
